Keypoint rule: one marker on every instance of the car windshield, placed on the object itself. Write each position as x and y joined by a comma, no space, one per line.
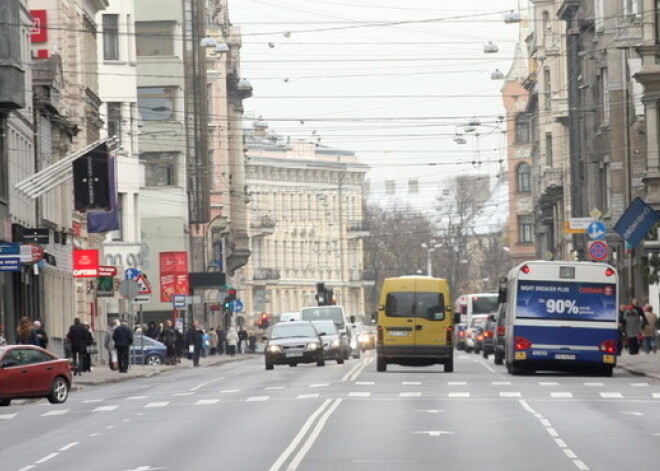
292,330
335,314
328,327
484,304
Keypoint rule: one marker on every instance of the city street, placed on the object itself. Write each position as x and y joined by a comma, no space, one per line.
237,416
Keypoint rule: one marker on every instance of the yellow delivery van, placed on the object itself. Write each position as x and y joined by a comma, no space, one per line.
415,323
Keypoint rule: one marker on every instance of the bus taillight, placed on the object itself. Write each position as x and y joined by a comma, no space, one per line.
608,346
525,269
521,343
609,272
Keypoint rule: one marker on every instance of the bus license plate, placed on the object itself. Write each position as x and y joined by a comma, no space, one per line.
608,359
399,333
564,356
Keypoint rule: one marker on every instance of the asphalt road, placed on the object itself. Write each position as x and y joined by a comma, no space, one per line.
238,416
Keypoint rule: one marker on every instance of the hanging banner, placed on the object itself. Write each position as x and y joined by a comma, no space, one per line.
86,263
173,275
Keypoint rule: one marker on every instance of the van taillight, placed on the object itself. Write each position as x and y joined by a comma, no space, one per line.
380,333
500,331
608,346
450,333
521,343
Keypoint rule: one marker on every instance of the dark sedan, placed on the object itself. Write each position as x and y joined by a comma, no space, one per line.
27,371
331,340
294,342
147,351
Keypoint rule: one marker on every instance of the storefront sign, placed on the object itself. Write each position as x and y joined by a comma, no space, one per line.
85,263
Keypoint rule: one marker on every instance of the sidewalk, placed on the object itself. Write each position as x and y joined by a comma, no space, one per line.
641,364
102,374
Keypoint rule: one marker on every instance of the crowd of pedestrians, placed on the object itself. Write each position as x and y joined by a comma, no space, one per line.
638,328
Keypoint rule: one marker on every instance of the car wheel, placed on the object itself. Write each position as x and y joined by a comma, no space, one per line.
381,363
449,365
59,391
153,359
340,361
269,365
5,402
320,361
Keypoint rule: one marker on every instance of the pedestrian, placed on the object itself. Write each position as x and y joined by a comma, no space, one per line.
168,337
232,342
109,344
252,342
77,337
195,341
90,348
633,323
649,329
213,341
178,346
123,338
25,333
222,340
42,336
152,331
206,345
621,330
242,340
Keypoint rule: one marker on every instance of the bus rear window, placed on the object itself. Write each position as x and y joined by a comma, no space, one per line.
429,306
484,304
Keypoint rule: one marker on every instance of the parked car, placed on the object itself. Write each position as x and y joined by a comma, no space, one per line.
474,328
488,341
332,348
500,329
460,335
27,371
294,342
147,351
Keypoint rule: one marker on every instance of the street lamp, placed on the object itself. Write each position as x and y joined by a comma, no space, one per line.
430,248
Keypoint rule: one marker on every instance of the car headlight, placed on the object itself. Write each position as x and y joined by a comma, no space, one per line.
274,348
335,343
312,346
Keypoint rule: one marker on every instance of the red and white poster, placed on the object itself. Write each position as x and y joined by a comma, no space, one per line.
86,263
39,31
173,275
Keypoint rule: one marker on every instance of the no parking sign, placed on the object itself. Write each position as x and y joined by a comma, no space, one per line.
598,250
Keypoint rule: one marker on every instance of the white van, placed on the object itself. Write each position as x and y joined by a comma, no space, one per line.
338,316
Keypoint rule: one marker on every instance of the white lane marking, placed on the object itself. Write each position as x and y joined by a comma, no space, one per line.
135,398
359,394
201,385
434,433
93,434
89,401
581,465
308,396
158,404
355,372
351,371
630,412
570,453
295,462
459,394
298,438
319,385
456,383
611,395
548,383
553,433
509,394
56,412
545,423
594,384
206,402
183,394
69,446
410,394
47,458
27,468
656,395
365,383
639,385
105,409
257,398
230,390
411,383
501,383
561,394
560,443
430,411
273,388
7,416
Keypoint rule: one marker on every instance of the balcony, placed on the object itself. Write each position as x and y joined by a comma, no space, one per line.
262,226
266,274
357,229
551,186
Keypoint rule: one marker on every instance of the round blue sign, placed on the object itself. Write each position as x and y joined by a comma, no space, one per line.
131,273
596,230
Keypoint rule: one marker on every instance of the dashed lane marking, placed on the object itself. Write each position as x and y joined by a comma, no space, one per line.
69,446
89,401
410,394
308,396
319,385
509,394
273,388
135,398
55,412
639,385
595,384
548,383
411,383
158,404
230,391
206,402
7,416
459,394
365,383
611,395
183,394
456,383
105,409
559,395
359,394
47,458
501,383
257,398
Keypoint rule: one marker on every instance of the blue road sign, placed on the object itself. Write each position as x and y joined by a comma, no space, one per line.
237,305
636,221
10,256
179,301
131,273
596,230
10,248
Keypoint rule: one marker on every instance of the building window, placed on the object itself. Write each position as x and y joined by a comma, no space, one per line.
522,128
156,103
154,38
525,229
631,8
390,187
603,97
523,177
547,88
114,120
159,168
111,37
548,149
657,21
546,27
599,15
118,234
607,174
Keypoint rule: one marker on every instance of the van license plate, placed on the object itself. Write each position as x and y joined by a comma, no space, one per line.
563,356
399,333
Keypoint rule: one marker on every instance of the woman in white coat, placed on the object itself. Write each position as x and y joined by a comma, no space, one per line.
232,341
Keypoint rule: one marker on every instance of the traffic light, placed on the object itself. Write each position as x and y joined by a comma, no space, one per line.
227,304
231,297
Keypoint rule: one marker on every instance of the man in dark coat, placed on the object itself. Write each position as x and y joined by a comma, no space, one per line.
194,338
77,337
123,337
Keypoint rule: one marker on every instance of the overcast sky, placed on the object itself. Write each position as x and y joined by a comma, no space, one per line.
393,81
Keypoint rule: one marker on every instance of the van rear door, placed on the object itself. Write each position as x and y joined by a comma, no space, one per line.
399,320
431,319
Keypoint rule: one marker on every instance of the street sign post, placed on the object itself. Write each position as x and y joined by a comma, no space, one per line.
598,250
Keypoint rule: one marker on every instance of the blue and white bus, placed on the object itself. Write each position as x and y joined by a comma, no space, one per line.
560,315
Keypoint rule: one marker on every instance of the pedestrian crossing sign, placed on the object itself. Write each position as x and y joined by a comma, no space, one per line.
143,283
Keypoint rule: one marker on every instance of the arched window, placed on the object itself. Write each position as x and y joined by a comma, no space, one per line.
523,177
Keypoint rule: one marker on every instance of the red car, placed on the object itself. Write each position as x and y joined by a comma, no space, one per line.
27,371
